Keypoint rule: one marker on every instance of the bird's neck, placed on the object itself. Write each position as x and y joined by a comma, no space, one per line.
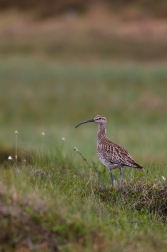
101,131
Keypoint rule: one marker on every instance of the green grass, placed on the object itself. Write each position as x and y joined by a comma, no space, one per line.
80,210
44,96
52,186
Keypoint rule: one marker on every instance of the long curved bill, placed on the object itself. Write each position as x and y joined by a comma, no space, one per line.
91,120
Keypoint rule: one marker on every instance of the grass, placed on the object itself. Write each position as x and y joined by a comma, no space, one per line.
67,205
55,195
36,95
132,35
52,198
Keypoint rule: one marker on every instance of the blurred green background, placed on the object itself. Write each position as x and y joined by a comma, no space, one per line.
67,61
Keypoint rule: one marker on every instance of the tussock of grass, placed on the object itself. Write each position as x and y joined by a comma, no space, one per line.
149,197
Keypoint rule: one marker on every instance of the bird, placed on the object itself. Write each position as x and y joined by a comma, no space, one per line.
111,154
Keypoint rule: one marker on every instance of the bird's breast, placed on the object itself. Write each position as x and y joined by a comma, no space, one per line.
106,161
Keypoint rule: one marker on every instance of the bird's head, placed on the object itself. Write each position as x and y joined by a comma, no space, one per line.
98,119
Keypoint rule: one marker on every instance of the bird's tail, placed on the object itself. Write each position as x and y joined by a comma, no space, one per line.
139,167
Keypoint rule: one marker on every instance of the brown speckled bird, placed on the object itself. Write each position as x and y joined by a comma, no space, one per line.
111,154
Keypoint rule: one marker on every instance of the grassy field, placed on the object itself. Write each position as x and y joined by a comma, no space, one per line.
54,74
51,198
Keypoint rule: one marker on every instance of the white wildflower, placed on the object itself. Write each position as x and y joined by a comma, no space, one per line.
16,132
63,139
10,158
75,149
163,178
43,133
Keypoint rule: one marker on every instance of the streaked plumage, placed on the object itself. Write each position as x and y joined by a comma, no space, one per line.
111,154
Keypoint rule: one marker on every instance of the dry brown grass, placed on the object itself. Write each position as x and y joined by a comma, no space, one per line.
44,8
99,33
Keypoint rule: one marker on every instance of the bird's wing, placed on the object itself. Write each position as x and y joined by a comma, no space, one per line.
116,154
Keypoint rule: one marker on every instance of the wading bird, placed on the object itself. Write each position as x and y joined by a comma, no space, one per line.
111,154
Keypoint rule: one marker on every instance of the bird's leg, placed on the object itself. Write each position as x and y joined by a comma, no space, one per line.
120,179
112,178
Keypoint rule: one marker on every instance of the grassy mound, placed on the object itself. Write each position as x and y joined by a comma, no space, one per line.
148,197
21,225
